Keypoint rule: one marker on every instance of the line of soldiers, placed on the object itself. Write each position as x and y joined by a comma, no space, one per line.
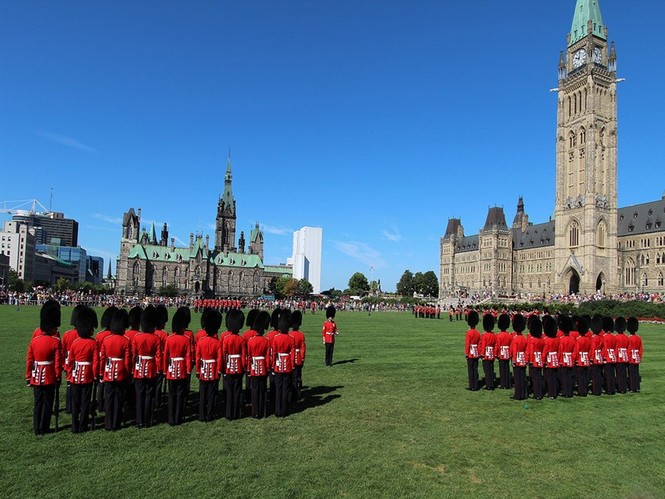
576,354
427,311
128,362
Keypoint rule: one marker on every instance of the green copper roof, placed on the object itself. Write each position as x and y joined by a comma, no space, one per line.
152,239
227,197
585,11
256,232
279,269
158,253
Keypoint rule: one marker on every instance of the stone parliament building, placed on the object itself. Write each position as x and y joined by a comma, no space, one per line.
592,245
147,264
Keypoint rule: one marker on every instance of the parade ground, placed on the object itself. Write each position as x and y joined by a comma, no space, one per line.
390,418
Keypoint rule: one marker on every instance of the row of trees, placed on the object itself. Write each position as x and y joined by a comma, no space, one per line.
425,284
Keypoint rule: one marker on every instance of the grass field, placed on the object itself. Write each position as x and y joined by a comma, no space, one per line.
390,419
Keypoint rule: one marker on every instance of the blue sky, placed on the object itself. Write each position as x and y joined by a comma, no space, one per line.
375,120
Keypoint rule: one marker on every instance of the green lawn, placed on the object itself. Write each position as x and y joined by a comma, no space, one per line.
390,419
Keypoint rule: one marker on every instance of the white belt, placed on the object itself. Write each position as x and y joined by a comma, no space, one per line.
208,361
43,362
82,363
177,358
234,356
258,358
283,354
145,357
115,359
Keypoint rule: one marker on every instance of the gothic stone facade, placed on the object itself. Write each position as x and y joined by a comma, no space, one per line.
592,244
147,264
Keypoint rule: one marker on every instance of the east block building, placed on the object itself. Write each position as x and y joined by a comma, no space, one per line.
591,244
147,264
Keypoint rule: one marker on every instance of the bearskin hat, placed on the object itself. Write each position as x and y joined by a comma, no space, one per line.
49,315
149,319
107,316
234,320
620,324
274,318
565,324
488,323
213,321
296,319
135,318
596,324
261,322
180,320
119,321
473,319
632,325
330,312
251,315
204,314
284,321
535,326
550,326
163,315
608,324
75,313
503,322
519,323
582,325
86,322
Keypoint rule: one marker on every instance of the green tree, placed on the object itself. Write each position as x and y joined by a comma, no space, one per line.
405,285
304,287
358,284
169,290
62,284
14,282
290,287
277,286
429,284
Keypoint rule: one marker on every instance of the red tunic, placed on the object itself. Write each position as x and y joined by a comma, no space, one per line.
503,340
43,363
201,333
635,349
567,351
116,358
596,350
283,353
258,352
329,331
534,351
130,334
208,358
488,346
234,354
551,352
518,349
66,342
622,346
177,357
299,345
147,352
84,359
39,332
582,351
471,344
609,351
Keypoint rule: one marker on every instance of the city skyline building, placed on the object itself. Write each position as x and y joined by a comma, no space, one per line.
306,256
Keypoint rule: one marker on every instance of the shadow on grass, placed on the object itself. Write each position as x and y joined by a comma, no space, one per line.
316,396
348,361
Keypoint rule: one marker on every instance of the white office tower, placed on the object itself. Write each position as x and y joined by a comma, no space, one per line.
306,259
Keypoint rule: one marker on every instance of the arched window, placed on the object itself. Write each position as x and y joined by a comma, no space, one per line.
176,277
574,234
186,277
164,277
660,279
645,280
136,272
629,273
582,135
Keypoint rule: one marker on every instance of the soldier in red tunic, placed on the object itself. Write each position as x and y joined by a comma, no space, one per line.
596,350
503,340
177,365
534,354
147,353
582,356
518,347
65,343
160,331
247,335
84,358
115,369
488,350
43,367
282,360
551,356
609,355
328,334
566,356
471,350
258,353
301,350
234,354
208,360
635,353
622,345
105,324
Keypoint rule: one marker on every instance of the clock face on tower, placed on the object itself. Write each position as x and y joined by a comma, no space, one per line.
597,55
579,58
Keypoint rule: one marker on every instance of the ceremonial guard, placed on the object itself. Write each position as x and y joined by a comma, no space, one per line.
566,356
201,333
105,324
518,348
282,360
622,345
160,332
177,365
635,352
258,353
503,340
300,351
116,368
328,334
43,368
134,323
534,355
208,360
84,358
249,323
147,353
39,331
551,356
597,361
274,323
234,355
582,356
471,346
488,350
609,355
65,343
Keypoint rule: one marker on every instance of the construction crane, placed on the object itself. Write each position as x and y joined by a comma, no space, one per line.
21,207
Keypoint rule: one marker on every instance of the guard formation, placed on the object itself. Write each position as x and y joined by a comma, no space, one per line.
576,355
133,367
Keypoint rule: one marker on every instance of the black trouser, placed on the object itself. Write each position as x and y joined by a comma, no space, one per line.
296,382
520,382
114,394
258,390
634,377
41,415
68,399
566,375
597,379
610,379
622,377
582,380
101,403
282,388
207,399
551,378
329,353
145,400
472,368
176,400
504,373
536,374
81,395
233,387
488,368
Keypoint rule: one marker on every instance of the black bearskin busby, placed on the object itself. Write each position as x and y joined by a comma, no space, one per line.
535,326
180,320
473,319
75,313
274,318
330,312
582,325
503,322
163,316
119,321
620,324
296,320
235,320
107,316
608,324
284,321
519,323
632,325
550,326
86,322
596,324
565,324
135,318
251,315
149,319
261,322
488,323
49,315
213,321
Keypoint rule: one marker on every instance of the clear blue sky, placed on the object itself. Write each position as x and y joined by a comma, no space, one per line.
376,120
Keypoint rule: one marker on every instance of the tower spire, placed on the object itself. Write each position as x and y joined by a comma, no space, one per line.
587,20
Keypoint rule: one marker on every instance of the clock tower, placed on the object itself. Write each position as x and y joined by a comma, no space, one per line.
586,158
